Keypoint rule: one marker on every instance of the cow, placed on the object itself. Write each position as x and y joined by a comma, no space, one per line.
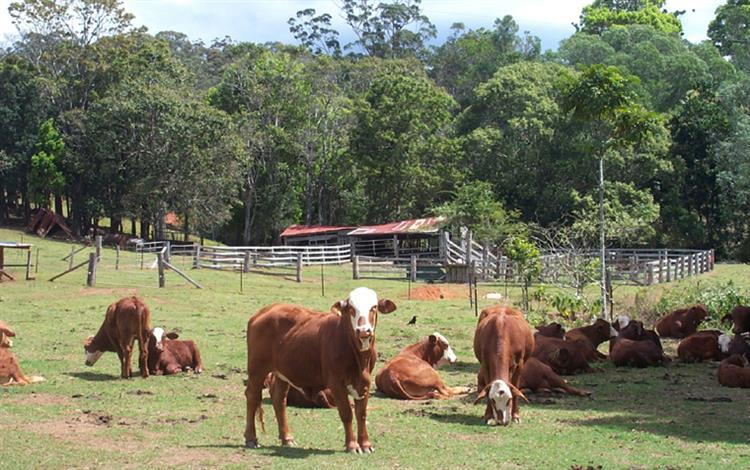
706,345
740,317
168,355
624,352
591,336
126,320
10,369
311,351
411,375
621,321
734,372
682,322
502,343
740,344
553,330
565,357
537,376
322,399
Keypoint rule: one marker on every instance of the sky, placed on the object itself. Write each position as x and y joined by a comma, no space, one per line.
265,20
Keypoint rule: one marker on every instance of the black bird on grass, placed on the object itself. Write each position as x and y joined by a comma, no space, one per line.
413,321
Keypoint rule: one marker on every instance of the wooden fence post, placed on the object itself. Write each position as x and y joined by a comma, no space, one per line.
711,259
117,257
299,267
246,262
485,260
355,267
468,248
196,260
91,275
160,261
28,264
413,274
36,263
168,252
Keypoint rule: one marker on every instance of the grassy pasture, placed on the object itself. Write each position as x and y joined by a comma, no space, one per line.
670,417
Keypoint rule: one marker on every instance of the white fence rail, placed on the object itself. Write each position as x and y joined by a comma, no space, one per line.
248,257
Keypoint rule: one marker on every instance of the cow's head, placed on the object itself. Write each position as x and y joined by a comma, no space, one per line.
724,341
697,313
603,330
439,352
499,394
740,316
621,322
5,334
159,337
362,309
553,330
92,354
634,331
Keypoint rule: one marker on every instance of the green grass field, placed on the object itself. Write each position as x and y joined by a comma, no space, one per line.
668,417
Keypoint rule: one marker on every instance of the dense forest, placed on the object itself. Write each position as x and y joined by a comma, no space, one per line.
101,119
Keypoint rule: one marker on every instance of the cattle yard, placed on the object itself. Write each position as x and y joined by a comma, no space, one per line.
675,416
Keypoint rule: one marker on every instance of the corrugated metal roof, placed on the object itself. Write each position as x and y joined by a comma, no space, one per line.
427,225
301,230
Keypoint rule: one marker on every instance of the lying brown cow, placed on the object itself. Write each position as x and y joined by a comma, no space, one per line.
682,322
312,351
126,320
167,355
740,344
10,369
411,375
706,345
502,343
740,317
591,336
565,357
537,376
646,352
553,330
322,399
734,372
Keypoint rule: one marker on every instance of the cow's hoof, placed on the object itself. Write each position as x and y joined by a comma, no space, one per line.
367,449
252,445
517,419
354,449
492,422
288,442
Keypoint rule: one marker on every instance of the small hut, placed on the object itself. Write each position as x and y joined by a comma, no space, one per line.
400,239
315,235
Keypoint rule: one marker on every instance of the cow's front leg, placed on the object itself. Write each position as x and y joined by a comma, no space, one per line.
278,396
360,409
341,397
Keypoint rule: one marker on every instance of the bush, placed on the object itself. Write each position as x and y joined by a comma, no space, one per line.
719,300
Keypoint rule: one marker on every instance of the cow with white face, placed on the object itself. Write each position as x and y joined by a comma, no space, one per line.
412,375
168,355
312,351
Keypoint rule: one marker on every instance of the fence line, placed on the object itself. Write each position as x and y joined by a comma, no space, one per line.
252,257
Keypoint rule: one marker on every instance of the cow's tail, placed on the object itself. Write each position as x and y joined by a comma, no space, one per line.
144,332
259,417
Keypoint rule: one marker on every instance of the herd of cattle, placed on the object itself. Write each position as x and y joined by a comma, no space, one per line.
320,359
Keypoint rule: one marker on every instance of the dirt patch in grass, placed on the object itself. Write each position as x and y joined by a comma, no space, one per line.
40,399
439,292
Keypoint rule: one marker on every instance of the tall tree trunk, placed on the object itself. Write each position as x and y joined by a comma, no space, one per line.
132,226
59,204
185,227
115,225
144,229
3,205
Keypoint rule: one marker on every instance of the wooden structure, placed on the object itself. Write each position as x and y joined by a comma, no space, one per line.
15,246
420,237
315,235
46,221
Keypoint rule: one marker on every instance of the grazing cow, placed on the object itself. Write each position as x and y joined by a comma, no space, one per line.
740,344
126,320
10,369
537,376
502,343
565,357
734,372
411,375
553,330
706,345
322,399
682,322
312,351
591,336
637,353
167,355
740,317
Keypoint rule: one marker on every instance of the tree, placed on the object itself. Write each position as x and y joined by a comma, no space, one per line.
402,147
527,264
603,14
315,32
45,177
730,33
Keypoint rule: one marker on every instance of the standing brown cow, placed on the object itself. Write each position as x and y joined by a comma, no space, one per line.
312,351
502,343
126,320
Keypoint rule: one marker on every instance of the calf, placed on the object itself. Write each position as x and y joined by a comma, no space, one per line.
740,317
10,369
311,351
502,343
553,330
126,320
591,336
537,376
637,353
167,355
734,372
565,357
706,345
411,375
682,322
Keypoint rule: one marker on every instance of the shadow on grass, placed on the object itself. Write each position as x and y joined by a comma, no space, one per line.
94,376
272,451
